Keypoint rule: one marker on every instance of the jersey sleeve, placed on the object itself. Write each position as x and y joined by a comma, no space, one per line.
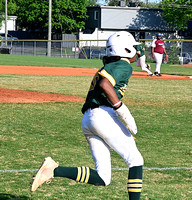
107,75
163,45
118,77
153,43
137,48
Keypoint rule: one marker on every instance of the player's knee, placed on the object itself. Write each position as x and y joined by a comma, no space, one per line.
139,161
136,160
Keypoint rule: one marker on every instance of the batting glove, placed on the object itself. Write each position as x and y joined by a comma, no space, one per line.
126,116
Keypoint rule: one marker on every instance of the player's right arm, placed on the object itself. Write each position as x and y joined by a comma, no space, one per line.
120,107
109,91
152,52
153,47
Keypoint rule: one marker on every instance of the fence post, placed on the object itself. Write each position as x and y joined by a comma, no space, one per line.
34,48
90,51
23,47
11,47
61,46
181,62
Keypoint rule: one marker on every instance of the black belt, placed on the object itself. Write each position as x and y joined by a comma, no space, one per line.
93,106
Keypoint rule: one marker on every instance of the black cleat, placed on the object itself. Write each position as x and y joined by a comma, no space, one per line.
157,74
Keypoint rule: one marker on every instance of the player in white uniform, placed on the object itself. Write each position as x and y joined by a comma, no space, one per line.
101,125
141,59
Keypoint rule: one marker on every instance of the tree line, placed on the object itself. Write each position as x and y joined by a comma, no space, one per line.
68,16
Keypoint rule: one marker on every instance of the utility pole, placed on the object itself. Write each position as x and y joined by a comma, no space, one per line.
49,30
6,23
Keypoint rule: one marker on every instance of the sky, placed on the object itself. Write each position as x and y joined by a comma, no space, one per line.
102,2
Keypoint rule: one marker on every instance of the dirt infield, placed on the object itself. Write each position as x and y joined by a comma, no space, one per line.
20,96
185,65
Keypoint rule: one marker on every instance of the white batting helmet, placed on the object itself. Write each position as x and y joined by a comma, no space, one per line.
121,44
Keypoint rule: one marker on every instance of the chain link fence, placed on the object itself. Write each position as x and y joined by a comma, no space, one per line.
179,51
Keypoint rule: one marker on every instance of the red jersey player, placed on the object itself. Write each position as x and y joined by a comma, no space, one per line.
158,48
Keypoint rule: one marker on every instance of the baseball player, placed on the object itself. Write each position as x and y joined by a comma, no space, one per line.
158,48
101,125
141,59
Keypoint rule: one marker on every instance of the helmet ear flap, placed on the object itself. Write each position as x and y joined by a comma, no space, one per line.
132,52
128,51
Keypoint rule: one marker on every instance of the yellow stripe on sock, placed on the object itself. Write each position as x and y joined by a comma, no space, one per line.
83,175
78,174
134,190
88,174
134,185
134,180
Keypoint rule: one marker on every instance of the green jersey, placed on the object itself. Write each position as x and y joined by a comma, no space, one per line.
141,50
118,73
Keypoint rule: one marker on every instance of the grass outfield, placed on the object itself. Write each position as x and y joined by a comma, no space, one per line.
21,60
29,132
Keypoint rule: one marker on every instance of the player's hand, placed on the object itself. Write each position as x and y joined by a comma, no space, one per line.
166,58
126,116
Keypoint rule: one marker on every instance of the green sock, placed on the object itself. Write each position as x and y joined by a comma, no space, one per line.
79,174
134,184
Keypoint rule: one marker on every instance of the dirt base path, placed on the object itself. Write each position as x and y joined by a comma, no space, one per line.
20,96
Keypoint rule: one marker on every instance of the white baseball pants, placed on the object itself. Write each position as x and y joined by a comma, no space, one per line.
158,59
103,130
141,63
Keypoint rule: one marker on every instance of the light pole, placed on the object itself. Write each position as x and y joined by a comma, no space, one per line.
49,30
6,23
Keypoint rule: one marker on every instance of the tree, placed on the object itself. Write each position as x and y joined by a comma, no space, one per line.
2,9
1,12
67,15
177,13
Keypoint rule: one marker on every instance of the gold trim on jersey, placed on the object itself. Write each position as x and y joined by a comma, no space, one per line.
94,81
123,89
108,76
125,59
83,174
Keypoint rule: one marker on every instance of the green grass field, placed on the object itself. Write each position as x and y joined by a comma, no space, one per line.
80,63
29,132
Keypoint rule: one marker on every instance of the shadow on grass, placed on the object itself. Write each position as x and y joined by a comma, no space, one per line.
4,196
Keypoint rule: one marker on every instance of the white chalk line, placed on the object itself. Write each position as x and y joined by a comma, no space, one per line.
113,169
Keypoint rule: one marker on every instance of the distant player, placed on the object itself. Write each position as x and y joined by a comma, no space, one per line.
101,125
141,59
158,49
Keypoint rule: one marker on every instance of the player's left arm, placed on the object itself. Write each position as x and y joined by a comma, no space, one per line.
166,56
164,51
